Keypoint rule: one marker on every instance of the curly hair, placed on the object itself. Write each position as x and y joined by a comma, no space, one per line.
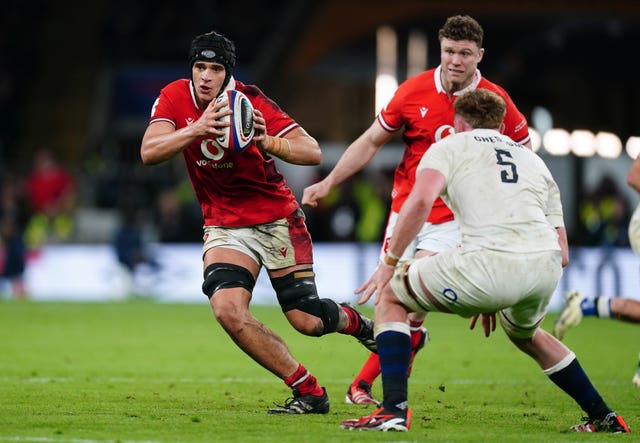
462,27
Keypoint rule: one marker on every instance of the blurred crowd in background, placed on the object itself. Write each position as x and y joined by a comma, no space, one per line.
42,208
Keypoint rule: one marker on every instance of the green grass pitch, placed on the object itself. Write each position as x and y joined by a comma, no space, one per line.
138,371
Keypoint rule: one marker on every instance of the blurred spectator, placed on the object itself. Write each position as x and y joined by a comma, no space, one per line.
356,210
179,217
129,240
52,196
13,216
334,218
372,193
604,216
131,243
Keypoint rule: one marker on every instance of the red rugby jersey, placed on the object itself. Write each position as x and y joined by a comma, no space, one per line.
233,189
422,106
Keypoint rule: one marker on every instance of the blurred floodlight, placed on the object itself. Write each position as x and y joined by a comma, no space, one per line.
541,119
608,145
386,62
386,85
536,140
582,143
417,51
633,147
556,141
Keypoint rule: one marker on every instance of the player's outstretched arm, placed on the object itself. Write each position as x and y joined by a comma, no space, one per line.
357,155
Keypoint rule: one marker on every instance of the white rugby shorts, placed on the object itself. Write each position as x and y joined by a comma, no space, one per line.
276,245
434,238
468,282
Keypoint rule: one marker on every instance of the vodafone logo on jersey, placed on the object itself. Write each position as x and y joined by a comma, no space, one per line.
443,131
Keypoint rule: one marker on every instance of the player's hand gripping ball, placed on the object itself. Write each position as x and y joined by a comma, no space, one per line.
238,136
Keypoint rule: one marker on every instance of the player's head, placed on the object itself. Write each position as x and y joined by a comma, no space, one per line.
214,48
462,27
480,108
460,52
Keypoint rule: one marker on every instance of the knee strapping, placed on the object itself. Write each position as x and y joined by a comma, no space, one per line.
297,290
226,275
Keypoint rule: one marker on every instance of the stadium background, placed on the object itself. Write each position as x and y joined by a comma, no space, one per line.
80,78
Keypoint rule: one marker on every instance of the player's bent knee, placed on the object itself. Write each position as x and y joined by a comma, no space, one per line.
297,290
305,323
226,275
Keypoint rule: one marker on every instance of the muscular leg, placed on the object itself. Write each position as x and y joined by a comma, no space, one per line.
315,316
370,370
563,368
229,279
544,348
394,348
308,324
230,307
625,309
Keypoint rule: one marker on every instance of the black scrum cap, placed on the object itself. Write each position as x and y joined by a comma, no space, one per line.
214,48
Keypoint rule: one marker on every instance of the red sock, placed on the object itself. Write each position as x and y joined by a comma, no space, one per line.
370,370
353,326
415,327
416,336
304,382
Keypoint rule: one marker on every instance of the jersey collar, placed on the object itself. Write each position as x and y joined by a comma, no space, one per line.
473,85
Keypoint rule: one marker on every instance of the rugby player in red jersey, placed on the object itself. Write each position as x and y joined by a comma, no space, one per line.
423,107
251,217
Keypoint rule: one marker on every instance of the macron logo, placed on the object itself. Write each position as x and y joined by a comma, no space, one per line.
190,121
423,111
283,251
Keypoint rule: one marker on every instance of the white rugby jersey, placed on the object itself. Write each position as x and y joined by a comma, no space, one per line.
501,193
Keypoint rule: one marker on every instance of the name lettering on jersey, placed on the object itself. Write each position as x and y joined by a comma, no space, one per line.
486,139
283,251
423,111
496,140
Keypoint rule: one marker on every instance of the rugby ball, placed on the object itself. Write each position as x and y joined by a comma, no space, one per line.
238,136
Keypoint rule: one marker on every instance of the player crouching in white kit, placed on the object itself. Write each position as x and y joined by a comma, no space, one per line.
513,248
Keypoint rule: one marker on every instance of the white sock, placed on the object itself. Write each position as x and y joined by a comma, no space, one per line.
603,306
